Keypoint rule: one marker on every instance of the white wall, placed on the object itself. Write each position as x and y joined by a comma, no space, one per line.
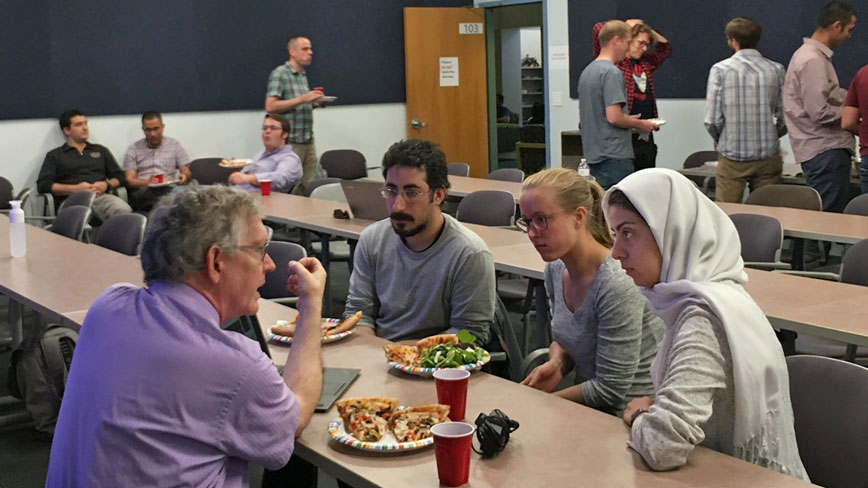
531,43
370,129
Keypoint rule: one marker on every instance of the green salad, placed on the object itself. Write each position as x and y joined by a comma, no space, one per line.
452,355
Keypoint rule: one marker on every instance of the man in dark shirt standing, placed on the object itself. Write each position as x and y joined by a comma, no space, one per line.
80,165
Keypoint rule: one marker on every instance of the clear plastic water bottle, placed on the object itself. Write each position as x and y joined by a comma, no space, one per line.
585,170
17,232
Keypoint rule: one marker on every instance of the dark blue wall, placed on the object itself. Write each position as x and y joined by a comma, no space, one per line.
111,57
696,31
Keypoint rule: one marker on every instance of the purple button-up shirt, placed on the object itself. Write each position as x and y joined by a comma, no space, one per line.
167,158
159,395
282,167
813,101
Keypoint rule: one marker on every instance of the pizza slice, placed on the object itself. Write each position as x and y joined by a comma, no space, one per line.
366,418
401,354
432,341
414,423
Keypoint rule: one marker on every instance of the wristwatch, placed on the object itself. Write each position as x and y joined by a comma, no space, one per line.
636,413
108,184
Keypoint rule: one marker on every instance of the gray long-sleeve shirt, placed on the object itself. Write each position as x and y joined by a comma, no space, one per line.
405,294
612,336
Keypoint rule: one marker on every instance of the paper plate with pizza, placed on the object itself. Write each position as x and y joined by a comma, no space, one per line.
235,163
379,424
332,329
437,352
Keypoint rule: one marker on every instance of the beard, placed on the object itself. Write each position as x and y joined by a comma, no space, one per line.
406,230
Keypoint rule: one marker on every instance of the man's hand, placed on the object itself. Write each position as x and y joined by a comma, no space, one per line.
644,125
312,96
182,178
99,187
636,404
307,279
544,377
239,178
153,180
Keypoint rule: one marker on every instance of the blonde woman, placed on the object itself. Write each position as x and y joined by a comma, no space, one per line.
601,325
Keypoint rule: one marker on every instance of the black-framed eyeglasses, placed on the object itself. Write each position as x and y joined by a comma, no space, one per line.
538,222
261,249
409,194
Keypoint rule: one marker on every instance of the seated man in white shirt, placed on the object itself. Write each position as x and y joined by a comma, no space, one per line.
151,156
277,163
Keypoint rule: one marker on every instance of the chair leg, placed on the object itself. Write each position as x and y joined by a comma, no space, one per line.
850,354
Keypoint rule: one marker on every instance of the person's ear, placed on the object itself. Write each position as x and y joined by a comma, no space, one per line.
439,195
214,264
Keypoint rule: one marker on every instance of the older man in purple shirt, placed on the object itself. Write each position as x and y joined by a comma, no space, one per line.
813,102
277,163
158,394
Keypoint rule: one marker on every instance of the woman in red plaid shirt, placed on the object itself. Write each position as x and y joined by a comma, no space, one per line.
638,68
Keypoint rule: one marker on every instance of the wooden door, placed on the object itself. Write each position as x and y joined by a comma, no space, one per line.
455,117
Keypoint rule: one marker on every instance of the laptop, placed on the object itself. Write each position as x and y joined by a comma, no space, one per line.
334,380
365,200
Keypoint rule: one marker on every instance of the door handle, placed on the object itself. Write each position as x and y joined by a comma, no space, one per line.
417,124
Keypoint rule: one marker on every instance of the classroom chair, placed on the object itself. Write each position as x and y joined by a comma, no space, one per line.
695,160
274,288
829,398
494,208
458,169
791,196
313,185
346,164
858,206
70,222
506,174
123,233
762,238
207,171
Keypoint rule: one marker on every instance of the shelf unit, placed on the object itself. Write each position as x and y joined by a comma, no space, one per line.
532,86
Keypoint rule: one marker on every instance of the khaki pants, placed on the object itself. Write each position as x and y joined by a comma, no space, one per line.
732,176
309,162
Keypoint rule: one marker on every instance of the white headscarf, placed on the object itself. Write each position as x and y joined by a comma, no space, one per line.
702,265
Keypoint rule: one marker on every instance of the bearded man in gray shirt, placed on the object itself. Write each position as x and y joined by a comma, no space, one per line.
420,272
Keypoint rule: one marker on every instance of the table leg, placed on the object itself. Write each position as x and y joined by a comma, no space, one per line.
797,261
16,322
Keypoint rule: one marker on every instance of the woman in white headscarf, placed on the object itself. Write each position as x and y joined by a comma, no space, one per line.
720,377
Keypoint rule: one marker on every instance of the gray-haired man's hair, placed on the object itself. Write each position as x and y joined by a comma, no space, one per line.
189,221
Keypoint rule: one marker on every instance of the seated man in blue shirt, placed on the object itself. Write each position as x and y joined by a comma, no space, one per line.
277,163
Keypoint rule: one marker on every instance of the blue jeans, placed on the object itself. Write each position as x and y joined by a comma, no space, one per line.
829,174
610,171
863,173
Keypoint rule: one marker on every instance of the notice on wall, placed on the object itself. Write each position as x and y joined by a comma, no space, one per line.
470,28
559,57
449,71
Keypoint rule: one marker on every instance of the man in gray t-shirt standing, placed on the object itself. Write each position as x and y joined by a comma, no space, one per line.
420,272
605,122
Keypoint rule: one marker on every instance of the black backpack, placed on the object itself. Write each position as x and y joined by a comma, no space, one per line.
38,372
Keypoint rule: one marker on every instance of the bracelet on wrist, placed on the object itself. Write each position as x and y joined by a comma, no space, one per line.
636,413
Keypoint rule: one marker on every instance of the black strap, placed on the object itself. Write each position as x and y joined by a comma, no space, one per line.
493,431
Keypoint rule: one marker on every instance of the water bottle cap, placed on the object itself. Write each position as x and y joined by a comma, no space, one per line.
15,203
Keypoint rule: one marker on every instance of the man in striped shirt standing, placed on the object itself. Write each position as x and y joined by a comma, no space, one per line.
744,114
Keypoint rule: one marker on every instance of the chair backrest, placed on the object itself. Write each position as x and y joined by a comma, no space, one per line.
123,233
854,266
331,191
699,158
70,221
761,237
487,207
829,398
506,174
5,193
346,164
458,169
275,282
207,171
83,198
793,196
858,205
313,185
503,332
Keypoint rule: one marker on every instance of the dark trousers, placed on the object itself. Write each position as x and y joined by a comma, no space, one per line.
610,171
297,473
644,152
829,174
144,199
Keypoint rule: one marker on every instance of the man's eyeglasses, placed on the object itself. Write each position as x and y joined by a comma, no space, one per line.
538,222
409,194
262,250
266,128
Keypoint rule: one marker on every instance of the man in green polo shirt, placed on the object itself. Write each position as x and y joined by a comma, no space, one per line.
288,93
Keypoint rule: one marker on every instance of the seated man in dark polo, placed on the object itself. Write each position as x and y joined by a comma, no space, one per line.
151,156
277,162
80,165
420,272
158,393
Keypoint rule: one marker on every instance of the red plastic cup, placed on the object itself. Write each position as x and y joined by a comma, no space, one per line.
452,390
159,178
265,186
452,450
319,89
